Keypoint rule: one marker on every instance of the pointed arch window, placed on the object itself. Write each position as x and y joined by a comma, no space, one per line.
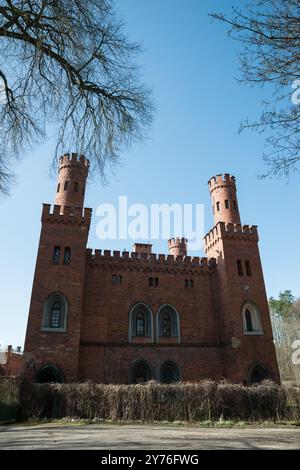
251,319
55,313
168,322
140,321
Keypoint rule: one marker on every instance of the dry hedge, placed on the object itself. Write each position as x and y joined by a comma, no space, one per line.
206,400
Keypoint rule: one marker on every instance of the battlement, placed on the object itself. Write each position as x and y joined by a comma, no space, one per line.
73,159
223,230
150,260
177,246
220,180
66,214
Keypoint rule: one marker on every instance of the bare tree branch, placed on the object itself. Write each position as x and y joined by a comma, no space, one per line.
269,31
68,63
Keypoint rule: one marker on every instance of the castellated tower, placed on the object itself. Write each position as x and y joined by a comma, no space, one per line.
177,246
72,175
224,200
54,322
241,298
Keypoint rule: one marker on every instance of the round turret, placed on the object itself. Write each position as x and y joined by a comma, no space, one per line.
177,246
72,175
224,201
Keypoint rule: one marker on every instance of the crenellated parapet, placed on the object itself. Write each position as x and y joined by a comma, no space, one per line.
66,215
229,230
74,160
150,261
221,180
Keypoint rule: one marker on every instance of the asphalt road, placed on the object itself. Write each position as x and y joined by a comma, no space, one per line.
147,437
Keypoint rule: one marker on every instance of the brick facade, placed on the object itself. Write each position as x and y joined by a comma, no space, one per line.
202,336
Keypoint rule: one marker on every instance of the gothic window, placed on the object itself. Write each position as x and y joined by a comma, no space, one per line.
76,187
58,187
119,279
66,186
168,322
67,255
218,206
251,319
169,373
226,204
56,254
55,313
140,321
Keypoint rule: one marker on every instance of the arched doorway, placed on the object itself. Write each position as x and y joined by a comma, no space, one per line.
49,374
257,374
141,372
169,373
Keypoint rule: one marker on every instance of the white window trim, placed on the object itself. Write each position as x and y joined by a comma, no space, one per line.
255,319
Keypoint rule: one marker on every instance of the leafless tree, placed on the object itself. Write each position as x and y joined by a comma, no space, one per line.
269,31
68,63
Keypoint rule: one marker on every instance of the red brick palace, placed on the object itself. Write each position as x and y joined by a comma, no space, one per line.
129,317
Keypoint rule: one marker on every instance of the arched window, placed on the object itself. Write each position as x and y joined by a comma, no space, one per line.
169,373
167,322
55,313
251,319
48,374
258,373
140,321
140,372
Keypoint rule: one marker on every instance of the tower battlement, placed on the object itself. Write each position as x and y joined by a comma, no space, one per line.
220,179
66,214
73,159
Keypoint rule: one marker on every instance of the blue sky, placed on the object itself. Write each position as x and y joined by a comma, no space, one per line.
191,66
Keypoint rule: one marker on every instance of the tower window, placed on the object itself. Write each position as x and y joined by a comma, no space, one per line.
153,281
58,187
55,313
234,204
248,268
56,254
66,186
189,283
218,206
226,204
67,255
239,267
251,320
76,187
116,279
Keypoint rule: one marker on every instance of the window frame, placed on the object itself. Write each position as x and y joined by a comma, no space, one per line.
255,320
47,311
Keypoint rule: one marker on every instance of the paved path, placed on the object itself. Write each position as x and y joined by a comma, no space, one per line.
110,437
